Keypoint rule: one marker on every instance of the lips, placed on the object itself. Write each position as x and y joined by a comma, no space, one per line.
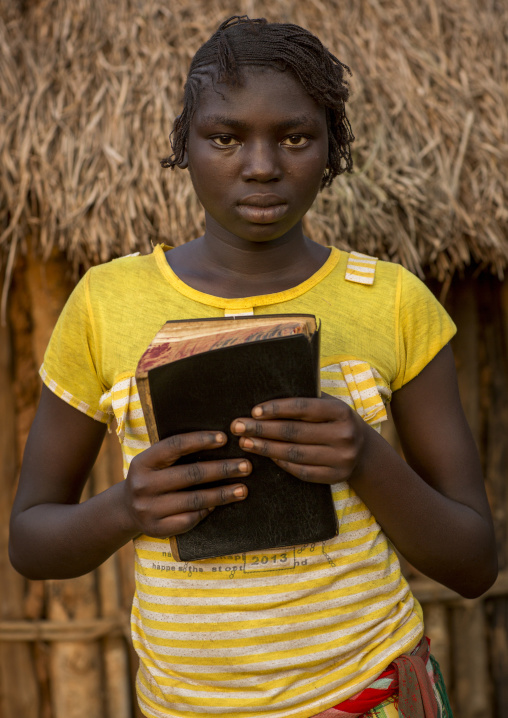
262,208
262,200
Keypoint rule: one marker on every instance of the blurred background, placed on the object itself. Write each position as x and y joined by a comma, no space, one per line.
88,93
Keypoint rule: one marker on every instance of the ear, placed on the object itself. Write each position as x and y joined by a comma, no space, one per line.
185,161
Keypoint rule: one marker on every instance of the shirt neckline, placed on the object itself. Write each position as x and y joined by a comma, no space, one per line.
243,302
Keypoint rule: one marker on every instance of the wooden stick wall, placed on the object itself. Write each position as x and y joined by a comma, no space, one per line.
65,648
18,682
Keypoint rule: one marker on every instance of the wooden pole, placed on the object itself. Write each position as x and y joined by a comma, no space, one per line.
472,695
18,686
469,669
49,284
75,667
499,655
495,407
495,331
26,392
499,608
463,305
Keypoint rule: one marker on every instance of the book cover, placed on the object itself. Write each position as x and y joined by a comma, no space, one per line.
223,379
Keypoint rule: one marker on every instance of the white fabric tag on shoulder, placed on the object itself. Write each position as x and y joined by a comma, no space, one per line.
361,268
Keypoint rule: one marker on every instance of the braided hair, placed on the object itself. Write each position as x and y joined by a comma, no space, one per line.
242,41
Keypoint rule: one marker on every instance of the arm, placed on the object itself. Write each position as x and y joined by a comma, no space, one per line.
52,535
433,508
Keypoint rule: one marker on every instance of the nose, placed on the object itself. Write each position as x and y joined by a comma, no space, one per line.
261,162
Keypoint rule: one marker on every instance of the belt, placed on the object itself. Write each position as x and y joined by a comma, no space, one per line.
408,680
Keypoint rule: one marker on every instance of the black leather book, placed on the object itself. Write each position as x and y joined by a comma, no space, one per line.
209,389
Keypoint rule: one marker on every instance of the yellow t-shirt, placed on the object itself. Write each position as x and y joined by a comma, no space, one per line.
282,633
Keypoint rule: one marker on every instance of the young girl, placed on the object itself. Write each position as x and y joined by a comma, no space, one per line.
329,629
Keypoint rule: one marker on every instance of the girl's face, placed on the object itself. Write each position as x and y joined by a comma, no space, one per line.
257,153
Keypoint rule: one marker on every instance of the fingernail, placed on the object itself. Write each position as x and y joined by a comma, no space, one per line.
239,491
247,444
257,411
243,466
219,438
239,426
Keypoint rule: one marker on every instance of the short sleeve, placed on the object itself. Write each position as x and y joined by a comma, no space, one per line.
70,366
423,327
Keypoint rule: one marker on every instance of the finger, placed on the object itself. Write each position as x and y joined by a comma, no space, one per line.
301,432
204,500
182,511
175,525
186,476
294,453
303,408
314,474
147,488
166,452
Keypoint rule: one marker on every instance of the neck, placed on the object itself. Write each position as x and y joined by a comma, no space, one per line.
225,265
247,259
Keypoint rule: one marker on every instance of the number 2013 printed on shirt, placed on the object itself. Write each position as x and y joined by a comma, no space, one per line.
272,561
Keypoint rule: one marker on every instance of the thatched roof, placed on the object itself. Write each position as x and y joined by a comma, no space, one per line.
89,89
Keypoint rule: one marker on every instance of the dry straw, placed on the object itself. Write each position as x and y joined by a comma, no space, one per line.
89,89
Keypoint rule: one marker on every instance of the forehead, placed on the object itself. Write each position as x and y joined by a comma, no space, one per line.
264,92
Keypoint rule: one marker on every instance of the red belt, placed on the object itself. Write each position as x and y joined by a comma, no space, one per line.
409,681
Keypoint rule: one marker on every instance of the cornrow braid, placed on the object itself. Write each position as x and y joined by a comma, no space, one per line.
283,46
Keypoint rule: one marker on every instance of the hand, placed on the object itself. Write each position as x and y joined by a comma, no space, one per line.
317,440
154,500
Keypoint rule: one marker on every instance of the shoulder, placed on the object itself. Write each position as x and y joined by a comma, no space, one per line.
364,284
122,277
361,294
123,269
368,275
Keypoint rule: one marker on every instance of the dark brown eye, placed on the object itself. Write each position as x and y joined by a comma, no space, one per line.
295,141
225,140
